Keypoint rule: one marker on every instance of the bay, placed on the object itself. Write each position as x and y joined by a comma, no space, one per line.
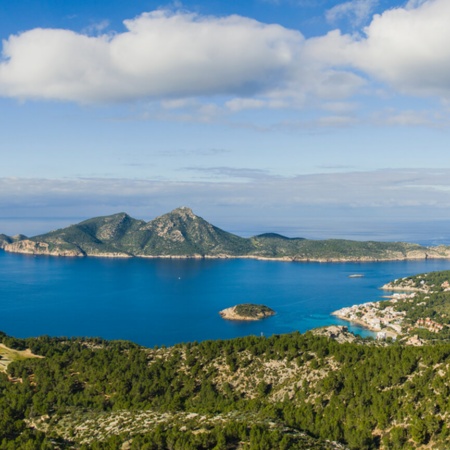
163,301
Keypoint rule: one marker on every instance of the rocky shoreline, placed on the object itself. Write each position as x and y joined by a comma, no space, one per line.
42,249
247,312
181,234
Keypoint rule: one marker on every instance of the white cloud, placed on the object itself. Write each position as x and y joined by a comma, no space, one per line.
340,107
239,104
162,54
175,57
207,66
97,27
412,4
400,187
408,118
407,48
358,12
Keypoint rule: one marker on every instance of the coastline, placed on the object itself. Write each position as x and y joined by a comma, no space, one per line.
361,259
387,321
230,314
258,312
359,322
389,287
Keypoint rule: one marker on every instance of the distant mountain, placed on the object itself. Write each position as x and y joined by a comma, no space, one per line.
181,233
101,236
178,233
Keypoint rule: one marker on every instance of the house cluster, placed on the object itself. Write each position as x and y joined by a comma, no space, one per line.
446,286
371,316
429,325
402,296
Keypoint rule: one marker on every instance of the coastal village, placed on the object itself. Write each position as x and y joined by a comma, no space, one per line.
390,322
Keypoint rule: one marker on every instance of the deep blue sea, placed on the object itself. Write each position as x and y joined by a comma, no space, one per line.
158,301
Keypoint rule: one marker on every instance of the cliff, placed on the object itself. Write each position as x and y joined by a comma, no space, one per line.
6,240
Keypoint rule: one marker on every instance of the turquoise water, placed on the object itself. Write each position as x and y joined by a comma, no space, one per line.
155,302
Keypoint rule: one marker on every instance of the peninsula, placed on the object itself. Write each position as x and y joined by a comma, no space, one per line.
182,234
417,311
247,311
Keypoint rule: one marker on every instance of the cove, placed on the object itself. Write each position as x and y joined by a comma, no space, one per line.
163,301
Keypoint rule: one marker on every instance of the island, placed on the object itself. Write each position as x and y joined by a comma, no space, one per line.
182,234
247,311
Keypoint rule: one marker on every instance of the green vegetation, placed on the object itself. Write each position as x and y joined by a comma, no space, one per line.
8,355
284,392
252,310
182,233
430,300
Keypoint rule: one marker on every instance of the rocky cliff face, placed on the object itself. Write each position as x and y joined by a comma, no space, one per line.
181,232
40,248
338,333
6,240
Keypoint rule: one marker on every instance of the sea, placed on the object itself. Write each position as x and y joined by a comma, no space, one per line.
168,301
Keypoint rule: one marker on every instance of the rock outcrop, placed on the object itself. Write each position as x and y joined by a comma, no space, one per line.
40,248
336,332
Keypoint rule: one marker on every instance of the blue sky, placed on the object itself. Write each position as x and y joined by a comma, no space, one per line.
313,117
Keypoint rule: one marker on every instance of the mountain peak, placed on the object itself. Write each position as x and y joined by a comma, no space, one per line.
184,211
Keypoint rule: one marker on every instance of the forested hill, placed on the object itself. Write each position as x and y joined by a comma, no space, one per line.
284,392
181,233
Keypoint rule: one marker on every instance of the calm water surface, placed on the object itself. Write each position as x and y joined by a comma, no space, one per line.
154,302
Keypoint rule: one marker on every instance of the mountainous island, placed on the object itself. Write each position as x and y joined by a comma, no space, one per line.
325,389
182,234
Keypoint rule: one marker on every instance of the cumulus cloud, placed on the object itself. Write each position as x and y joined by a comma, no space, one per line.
411,4
406,48
175,57
184,60
162,54
357,12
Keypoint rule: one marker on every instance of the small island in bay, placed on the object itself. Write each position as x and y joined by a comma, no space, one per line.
247,311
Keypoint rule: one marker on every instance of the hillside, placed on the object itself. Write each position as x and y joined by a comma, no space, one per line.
181,233
326,389
417,310
284,392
